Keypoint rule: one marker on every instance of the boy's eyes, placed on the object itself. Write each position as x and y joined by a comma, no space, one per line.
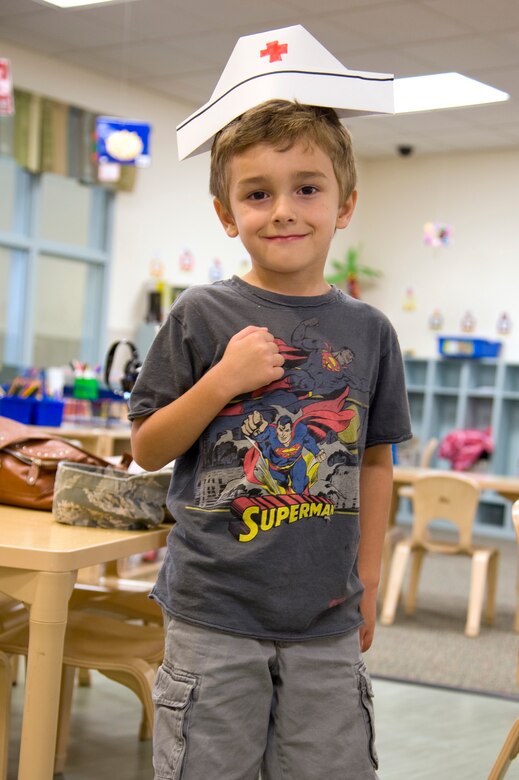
307,189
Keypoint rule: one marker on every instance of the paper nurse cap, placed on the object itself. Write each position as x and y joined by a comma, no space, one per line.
288,64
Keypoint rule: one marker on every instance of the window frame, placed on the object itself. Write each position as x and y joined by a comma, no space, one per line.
25,247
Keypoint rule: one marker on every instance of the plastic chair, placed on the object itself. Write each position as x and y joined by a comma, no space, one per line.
124,652
454,498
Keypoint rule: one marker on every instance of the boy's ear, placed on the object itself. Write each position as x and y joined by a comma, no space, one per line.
226,218
345,211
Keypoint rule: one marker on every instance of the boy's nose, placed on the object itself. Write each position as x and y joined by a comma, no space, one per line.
283,210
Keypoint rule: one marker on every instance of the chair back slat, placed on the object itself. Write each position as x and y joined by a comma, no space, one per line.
450,497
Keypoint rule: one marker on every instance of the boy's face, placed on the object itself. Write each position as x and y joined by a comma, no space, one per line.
285,208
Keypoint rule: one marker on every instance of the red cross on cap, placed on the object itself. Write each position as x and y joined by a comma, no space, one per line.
274,50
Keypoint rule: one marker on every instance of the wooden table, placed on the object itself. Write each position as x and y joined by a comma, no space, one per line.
508,487
39,561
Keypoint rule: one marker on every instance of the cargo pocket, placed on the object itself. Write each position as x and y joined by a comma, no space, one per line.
366,703
172,696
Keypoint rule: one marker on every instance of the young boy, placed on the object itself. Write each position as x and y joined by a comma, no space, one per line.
279,397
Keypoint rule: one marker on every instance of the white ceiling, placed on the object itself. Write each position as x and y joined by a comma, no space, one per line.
179,48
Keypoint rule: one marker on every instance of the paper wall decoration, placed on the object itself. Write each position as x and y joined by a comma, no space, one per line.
186,260
216,270
437,234
436,320
504,324
468,323
409,301
6,88
123,141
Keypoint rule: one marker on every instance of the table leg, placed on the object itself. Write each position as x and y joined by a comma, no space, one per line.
48,620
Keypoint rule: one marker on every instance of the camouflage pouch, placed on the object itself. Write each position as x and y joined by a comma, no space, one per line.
108,498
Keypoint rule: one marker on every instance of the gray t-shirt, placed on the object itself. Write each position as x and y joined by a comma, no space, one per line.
266,501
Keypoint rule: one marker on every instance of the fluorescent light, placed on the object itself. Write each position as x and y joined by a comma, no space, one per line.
77,3
442,90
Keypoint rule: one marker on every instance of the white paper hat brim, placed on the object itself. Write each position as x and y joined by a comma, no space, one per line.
351,93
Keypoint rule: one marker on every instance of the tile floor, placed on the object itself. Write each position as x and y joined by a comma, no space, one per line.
422,734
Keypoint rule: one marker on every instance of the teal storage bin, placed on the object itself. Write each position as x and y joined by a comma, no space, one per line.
20,409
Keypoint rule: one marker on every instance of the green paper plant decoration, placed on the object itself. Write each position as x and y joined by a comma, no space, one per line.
349,271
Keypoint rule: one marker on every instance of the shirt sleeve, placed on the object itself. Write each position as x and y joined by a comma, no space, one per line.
389,420
170,368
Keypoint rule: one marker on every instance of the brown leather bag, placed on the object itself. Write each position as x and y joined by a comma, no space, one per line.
28,463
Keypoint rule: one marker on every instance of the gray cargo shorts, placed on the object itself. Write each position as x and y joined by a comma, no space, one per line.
228,707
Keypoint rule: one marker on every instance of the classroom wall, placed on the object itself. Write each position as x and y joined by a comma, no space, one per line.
170,210
478,195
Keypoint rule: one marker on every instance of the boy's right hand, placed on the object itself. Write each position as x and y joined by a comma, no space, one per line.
251,360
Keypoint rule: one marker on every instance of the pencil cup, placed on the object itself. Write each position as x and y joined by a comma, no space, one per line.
86,388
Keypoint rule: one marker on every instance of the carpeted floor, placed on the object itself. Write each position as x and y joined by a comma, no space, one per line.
430,647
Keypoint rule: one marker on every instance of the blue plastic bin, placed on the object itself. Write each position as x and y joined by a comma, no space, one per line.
466,347
20,409
48,412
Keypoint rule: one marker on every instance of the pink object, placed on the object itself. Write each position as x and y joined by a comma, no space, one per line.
464,447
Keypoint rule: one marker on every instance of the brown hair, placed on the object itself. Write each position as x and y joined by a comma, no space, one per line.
281,124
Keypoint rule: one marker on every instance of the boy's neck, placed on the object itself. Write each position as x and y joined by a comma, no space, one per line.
284,284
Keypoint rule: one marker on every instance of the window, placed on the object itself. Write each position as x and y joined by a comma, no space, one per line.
54,262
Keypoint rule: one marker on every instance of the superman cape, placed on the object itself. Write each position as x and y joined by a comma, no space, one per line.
293,357
319,417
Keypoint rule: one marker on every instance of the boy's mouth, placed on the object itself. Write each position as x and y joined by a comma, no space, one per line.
282,238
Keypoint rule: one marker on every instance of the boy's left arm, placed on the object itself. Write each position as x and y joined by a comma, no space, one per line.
376,484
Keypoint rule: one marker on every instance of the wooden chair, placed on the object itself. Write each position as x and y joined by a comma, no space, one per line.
124,652
454,498
6,681
104,589
12,613
395,533
406,491
128,600
515,520
116,597
510,748
506,755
